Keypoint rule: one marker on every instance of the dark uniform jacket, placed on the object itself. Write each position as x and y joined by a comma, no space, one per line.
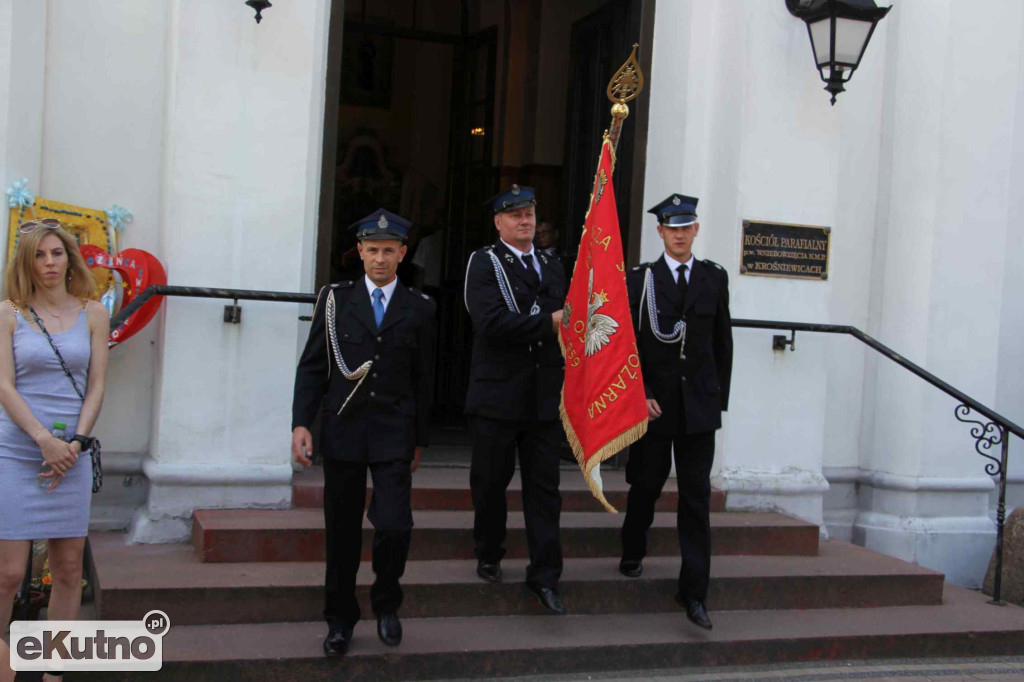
390,412
698,385
516,369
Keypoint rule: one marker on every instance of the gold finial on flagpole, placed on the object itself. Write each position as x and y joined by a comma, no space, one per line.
625,85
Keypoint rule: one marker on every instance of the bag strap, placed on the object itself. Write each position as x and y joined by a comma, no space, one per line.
60,357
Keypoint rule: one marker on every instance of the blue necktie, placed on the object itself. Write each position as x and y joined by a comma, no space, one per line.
378,306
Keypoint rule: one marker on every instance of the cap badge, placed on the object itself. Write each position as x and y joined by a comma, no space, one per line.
676,201
382,222
515,190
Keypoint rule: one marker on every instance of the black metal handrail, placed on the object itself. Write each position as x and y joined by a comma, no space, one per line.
206,292
986,434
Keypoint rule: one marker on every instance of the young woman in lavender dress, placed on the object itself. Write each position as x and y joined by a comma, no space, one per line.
46,482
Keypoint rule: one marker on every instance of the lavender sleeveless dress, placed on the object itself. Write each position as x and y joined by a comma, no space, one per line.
27,511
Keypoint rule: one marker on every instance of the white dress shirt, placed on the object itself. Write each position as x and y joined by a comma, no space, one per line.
519,254
673,266
388,289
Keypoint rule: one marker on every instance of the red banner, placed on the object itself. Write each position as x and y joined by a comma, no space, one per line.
603,404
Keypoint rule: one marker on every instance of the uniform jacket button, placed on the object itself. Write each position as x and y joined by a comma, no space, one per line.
376,357
373,394
379,339
374,375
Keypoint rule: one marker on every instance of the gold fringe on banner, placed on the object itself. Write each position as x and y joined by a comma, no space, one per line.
606,451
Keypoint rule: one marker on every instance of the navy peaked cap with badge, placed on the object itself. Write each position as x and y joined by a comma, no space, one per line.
676,211
382,224
512,198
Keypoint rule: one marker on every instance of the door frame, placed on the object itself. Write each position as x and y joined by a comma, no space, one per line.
641,110
329,158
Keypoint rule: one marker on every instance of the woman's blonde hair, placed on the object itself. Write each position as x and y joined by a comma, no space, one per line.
19,282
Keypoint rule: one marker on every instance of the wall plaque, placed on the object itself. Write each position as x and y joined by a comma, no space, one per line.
782,250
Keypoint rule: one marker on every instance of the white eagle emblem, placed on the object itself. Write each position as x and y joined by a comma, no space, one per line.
382,223
676,201
600,328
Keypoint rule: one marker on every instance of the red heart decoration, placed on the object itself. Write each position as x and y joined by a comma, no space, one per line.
139,270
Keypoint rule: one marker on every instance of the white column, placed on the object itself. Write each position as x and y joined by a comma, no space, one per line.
242,143
950,115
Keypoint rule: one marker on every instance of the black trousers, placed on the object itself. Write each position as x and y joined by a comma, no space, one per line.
495,442
648,468
390,512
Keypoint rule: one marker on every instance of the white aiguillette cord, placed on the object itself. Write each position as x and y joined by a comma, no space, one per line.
678,334
332,336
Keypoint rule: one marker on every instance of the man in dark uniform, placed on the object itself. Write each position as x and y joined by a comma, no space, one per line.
369,359
514,297
680,308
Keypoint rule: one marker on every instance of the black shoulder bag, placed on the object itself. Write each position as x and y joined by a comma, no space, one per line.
94,446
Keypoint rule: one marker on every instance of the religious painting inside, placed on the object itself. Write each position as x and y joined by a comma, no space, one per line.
440,104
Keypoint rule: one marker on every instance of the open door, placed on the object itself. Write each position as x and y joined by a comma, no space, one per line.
472,178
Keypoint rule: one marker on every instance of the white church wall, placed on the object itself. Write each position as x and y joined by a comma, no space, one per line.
739,119
952,121
1010,384
22,70
104,106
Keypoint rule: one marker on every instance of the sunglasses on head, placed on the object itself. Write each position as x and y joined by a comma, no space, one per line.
46,224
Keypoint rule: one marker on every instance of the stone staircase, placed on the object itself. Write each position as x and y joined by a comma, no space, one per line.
245,598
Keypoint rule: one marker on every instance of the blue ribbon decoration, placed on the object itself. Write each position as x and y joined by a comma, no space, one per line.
119,217
20,194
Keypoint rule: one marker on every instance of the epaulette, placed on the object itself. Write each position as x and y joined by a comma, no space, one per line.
708,261
420,294
343,285
641,266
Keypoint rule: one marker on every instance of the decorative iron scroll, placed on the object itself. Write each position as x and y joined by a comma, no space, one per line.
985,436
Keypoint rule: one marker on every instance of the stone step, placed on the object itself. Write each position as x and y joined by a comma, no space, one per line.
446,648
137,578
447,489
245,535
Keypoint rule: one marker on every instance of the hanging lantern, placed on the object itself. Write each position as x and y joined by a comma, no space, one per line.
259,6
839,32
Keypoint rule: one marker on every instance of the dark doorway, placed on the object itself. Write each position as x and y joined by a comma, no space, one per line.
436,104
601,42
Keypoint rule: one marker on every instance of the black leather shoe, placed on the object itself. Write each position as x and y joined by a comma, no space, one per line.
548,598
488,571
695,611
631,568
337,641
389,628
